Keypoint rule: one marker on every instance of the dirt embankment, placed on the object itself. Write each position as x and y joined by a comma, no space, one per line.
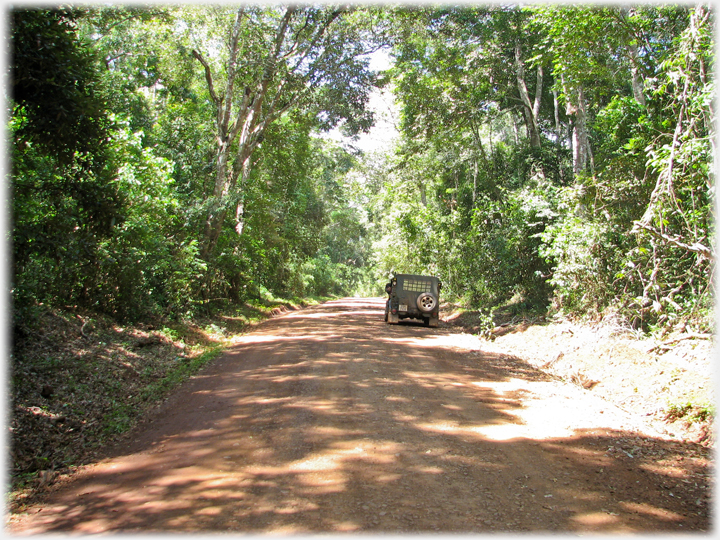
329,420
669,381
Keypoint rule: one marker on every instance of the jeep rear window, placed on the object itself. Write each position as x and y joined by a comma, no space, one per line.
416,285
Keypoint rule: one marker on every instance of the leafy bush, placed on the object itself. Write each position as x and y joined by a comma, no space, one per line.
585,257
148,267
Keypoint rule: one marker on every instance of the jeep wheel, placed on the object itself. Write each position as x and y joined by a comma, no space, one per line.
426,302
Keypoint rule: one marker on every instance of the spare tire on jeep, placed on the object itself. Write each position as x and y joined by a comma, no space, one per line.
426,302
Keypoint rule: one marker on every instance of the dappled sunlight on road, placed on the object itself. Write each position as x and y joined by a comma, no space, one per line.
328,420
252,338
531,419
450,341
310,316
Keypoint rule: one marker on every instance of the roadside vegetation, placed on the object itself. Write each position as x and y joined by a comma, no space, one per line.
82,380
172,182
557,157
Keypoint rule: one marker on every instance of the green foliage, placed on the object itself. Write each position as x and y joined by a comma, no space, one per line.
60,214
505,240
691,412
55,89
136,201
586,256
499,215
118,420
149,267
64,203
636,237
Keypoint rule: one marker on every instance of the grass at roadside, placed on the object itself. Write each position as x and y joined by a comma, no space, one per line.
78,382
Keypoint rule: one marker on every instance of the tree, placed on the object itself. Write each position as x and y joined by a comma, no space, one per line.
599,52
57,101
636,235
679,215
64,201
467,77
274,60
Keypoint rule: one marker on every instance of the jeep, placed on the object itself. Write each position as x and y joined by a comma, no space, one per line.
413,297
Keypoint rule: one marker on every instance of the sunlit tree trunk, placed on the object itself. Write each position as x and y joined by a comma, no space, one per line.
636,77
243,115
531,110
556,114
576,106
638,85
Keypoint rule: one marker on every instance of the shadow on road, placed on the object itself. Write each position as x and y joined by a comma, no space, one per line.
328,420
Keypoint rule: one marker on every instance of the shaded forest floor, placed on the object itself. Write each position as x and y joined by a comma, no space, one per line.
79,382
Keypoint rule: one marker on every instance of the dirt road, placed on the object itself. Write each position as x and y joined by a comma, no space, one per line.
328,420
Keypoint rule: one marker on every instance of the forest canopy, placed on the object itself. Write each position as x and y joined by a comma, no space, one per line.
171,161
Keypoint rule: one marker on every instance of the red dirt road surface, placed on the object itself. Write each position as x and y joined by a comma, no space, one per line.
327,420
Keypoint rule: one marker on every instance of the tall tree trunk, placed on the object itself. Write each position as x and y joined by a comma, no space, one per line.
531,110
516,129
558,131
475,179
638,85
632,36
247,128
579,138
556,111
244,174
483,155
577,107
538,96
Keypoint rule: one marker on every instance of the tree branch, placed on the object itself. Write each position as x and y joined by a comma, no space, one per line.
689,335
696,247
232,69
208,77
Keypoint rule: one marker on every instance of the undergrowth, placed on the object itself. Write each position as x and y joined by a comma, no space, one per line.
690,412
